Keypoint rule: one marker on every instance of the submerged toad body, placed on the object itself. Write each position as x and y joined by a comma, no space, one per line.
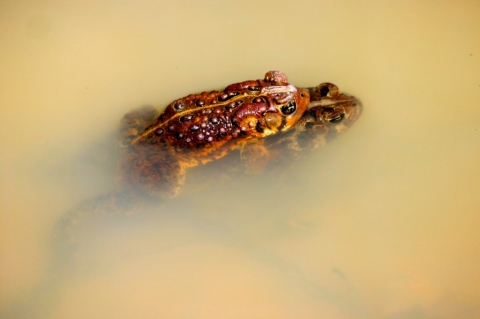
269,120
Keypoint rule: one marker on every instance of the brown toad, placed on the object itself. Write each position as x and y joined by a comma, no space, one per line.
199,128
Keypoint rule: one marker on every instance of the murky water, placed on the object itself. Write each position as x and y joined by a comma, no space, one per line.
381,223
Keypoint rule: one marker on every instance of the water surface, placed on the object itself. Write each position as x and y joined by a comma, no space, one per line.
381,223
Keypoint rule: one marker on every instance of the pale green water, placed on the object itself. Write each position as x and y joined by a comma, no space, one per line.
382,223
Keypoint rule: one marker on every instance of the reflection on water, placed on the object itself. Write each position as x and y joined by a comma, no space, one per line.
381,223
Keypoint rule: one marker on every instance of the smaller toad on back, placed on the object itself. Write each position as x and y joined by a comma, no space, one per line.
203,127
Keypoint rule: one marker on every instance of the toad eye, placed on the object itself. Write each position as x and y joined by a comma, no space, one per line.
289,108
324,90
338,119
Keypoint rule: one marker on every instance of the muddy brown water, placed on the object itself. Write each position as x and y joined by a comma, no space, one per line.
381,223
